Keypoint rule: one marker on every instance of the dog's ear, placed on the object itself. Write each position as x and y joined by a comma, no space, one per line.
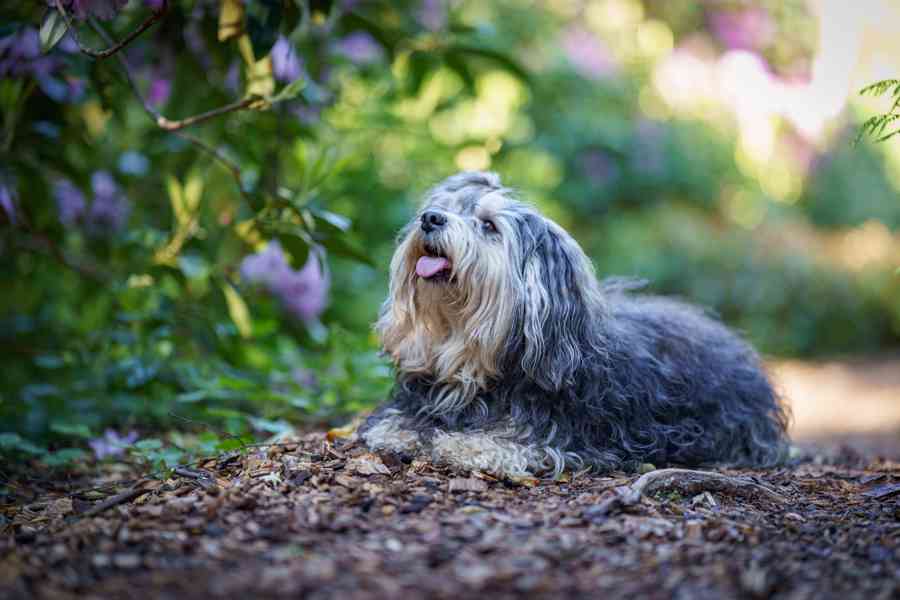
559,292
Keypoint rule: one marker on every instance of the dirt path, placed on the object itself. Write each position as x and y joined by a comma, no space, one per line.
329,520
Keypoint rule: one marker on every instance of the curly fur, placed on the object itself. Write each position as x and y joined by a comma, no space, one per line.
523,362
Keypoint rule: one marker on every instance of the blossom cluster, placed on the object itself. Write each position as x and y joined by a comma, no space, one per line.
101,9
107,213
303,293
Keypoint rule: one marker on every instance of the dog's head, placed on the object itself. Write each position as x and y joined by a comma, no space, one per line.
481,284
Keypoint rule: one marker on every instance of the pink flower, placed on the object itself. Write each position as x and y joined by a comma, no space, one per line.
304,293
748,29
266,267
589,56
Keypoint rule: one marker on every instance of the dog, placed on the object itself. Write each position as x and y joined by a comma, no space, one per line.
513,359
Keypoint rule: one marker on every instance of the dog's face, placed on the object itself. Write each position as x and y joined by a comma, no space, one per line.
482,284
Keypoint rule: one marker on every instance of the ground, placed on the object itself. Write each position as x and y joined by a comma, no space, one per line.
323,517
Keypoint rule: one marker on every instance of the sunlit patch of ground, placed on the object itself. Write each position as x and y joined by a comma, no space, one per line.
841,398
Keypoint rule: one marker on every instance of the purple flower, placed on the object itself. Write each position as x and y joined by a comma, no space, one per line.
160,88
304,293
69,202
155,5
232,79
432,14
359,47
111,443
20,55
110,209
286,64
747,29
82,9
266,267
589,56
8,202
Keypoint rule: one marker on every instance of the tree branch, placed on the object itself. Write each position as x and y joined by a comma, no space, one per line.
161,120
116,46
42,244
176,126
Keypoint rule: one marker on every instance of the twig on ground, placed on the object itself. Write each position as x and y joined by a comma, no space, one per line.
204,479
115,46
686,481
126,496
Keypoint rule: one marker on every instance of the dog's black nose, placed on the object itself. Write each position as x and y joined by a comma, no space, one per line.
432,220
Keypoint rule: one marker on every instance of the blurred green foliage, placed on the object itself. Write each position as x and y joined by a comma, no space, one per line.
153,324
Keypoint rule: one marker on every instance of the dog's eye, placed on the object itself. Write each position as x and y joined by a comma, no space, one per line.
488,226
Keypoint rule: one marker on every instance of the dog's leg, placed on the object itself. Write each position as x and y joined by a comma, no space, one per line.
389,432
491,452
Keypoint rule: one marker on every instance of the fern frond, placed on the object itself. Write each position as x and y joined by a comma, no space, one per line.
880,87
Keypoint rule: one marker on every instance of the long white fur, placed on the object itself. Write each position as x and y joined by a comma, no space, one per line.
453,334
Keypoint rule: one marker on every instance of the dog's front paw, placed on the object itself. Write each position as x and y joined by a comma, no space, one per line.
489,452
389,433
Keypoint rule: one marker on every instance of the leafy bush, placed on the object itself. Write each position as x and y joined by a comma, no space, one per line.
196,219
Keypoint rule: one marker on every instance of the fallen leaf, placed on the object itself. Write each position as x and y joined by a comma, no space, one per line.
367,464
883,491
467,484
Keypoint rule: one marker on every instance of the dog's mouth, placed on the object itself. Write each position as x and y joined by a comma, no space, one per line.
433,265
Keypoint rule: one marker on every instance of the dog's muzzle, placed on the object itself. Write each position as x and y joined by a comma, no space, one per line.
433,221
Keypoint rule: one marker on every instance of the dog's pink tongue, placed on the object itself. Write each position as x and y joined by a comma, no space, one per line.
428,266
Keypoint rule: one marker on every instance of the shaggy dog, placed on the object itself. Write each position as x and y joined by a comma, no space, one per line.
513,359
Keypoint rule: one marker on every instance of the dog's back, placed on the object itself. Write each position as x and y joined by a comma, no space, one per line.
696,392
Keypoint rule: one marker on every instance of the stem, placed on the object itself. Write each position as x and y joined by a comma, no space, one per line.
116,46
176,126
161,120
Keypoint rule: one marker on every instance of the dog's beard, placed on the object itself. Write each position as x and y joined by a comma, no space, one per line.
451,328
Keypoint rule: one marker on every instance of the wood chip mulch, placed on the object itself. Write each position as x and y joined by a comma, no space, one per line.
322,519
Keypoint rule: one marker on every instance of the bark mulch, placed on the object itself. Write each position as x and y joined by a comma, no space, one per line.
321,519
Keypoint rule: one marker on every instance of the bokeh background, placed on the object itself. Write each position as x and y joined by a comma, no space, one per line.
179,293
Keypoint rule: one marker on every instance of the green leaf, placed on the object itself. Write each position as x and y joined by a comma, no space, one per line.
53,29
188,397
231,19
193,266
296,244
505,61
290,91
329,221
229,444
64,456
342,246
421,63
71,429
148,445
459,66
238,311
263,23
13,441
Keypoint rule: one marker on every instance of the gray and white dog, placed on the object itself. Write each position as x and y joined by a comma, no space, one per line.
513,359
